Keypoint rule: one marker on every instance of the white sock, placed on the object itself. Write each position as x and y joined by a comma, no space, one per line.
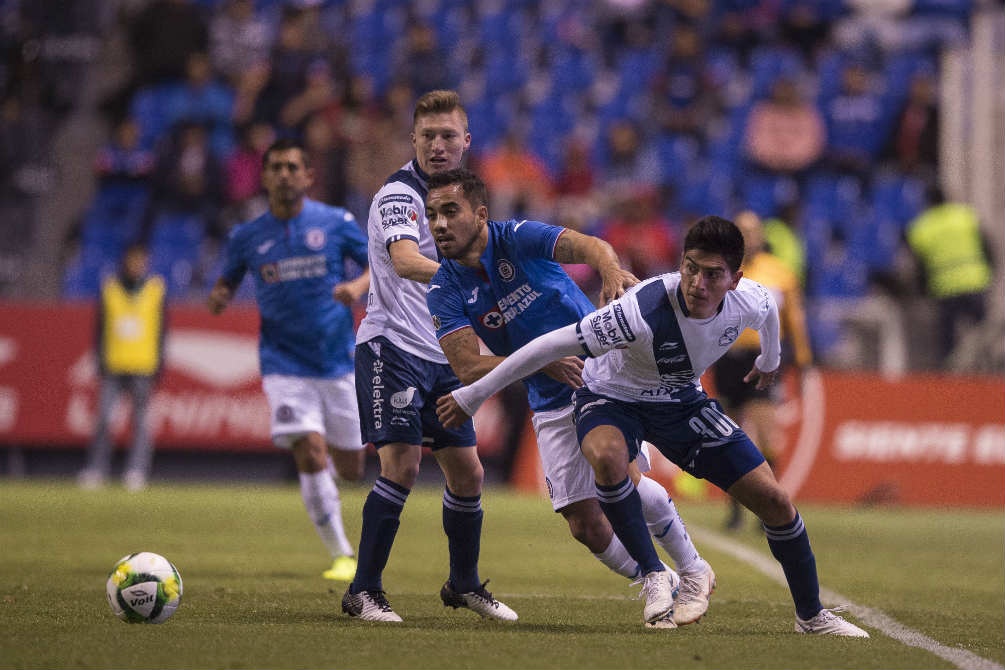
324,507
617,559
666,525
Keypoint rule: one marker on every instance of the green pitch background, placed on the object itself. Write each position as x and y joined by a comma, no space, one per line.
254,598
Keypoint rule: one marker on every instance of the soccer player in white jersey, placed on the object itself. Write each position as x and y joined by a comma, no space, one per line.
401,370
502,282
647,352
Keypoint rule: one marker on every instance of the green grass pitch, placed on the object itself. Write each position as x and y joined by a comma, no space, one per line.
254,597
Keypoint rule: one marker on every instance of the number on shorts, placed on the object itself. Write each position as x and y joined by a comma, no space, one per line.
718,424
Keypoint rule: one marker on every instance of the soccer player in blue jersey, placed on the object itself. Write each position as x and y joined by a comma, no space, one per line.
401,371
502,282
647,351
296,254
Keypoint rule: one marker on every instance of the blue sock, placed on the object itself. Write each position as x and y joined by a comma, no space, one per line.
381,513
462,522
622,506
790,545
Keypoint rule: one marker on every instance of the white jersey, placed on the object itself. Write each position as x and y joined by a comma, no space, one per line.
657,352
396,307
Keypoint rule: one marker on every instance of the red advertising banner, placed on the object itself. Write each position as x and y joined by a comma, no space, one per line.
209,391
862,438
208,397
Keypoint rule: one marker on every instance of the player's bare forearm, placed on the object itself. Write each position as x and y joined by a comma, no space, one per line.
465,357
219,297
409,263
573,247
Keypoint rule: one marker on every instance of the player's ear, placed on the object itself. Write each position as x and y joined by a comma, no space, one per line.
737,276
482,214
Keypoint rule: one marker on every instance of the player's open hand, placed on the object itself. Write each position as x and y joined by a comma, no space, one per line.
763,379
568,370
449,412
345,293
616,281
218,299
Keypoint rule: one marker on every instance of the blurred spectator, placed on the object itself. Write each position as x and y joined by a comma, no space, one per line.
129,352
123,160
163,36
855,124
318,92
517,180
202,100
630,164
785,133
804,26
683,97
239,38
955,263
422,62
784,243
914,142
289,64
644,240
244,166
328,161
188,176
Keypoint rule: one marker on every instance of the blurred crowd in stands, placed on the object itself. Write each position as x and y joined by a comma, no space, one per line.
623,118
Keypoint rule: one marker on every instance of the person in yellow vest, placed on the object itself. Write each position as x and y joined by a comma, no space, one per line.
757,409
948,242
130,350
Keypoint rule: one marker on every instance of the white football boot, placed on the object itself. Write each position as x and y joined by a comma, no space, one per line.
369,606
479,600
695,592
826,622
658,590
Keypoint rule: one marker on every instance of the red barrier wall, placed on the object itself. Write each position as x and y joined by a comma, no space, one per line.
208,397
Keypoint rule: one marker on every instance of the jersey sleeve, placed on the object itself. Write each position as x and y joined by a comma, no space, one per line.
399,209
355,240
617,325
445,307
536,239
234,265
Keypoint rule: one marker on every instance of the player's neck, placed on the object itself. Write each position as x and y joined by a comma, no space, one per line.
286,210
472,258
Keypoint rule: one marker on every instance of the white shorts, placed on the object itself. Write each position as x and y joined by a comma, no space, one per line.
566,471
301,405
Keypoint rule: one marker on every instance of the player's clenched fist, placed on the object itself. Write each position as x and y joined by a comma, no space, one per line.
449,412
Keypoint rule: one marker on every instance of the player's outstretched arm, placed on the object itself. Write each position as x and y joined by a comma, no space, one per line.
573,247
454,409
348,292
220,296
409,263
765,369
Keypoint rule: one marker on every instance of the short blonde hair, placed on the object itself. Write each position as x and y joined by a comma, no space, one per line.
439,102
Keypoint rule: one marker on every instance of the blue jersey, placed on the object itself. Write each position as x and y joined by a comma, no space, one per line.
519,293
295,265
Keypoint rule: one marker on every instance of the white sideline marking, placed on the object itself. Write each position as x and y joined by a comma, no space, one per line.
885,624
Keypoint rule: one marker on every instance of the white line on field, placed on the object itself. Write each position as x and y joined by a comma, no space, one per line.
885,624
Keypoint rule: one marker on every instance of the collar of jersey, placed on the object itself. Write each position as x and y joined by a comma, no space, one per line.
423,177
683,305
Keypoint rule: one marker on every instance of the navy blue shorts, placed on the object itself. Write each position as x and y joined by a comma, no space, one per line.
397,393
697,436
